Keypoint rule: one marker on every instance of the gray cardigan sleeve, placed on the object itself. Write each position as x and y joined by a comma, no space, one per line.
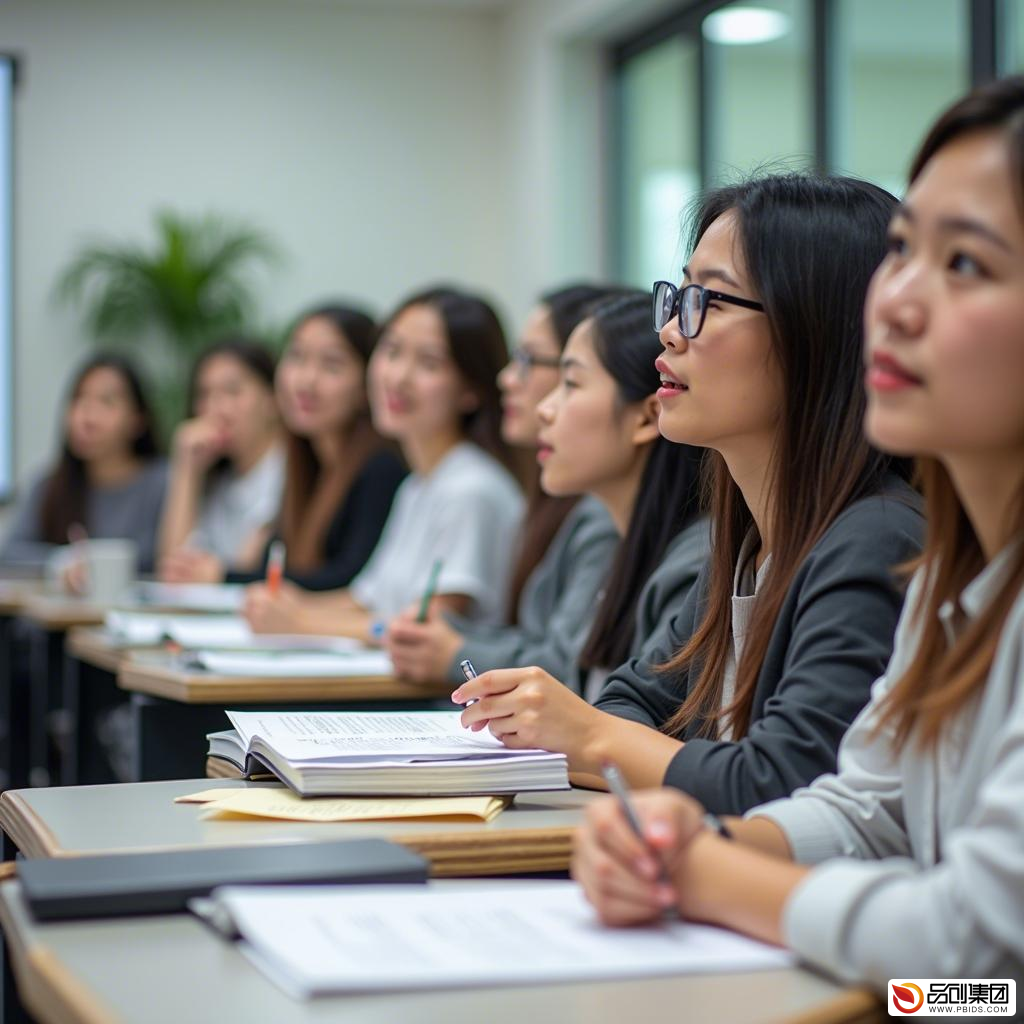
876,906
831,641
551,640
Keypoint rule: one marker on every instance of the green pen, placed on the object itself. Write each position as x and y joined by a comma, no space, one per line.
428,594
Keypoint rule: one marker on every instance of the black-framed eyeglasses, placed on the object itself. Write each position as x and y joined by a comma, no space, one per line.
524,361
692,304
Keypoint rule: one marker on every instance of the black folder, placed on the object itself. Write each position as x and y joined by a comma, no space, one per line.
161,883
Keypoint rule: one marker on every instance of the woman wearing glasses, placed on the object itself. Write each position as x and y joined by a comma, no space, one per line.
565,546
907,862
747,694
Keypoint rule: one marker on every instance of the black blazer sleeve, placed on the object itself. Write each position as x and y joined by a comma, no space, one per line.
831,641
354,530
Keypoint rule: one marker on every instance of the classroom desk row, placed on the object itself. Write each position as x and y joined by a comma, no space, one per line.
172,968
78,671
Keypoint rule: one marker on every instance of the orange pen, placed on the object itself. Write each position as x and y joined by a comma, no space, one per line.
275,567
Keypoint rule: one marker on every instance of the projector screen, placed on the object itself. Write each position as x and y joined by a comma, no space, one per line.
6,273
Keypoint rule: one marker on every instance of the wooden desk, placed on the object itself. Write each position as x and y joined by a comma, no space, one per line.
14,593
94,646
168,969
160,674
58,613
533,835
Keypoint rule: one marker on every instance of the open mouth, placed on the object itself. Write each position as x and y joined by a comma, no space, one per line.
669,384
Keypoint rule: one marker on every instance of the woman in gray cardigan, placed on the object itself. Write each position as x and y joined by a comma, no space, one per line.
907,863
610,368
747,694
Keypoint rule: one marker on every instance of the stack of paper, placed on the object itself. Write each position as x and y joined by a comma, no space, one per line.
150,628
275,664
365,939
384,752
196,597
284,805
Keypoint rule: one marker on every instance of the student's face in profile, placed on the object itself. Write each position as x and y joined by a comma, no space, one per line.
237,401
102,420
416,390
320,380
945,311
589,440
733,391
522,391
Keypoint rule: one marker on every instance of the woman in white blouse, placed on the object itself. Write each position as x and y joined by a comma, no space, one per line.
227,467
433,390
909,861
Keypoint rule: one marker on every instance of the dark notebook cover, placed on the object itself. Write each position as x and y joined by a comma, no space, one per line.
161,883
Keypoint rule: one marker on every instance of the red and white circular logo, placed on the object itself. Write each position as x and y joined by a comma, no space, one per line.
907,998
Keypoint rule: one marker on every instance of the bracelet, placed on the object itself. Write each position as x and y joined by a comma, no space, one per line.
715,823
378,629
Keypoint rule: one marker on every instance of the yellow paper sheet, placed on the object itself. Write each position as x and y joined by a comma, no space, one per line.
271,802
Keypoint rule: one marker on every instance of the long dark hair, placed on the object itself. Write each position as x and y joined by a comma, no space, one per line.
668,499
810,245
66,493
943,677
310,501
545,513
252,354
477,345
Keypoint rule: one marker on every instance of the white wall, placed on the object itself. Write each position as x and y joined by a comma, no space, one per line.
364,140
383,145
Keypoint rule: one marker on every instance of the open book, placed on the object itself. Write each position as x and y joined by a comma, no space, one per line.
372,939
403,753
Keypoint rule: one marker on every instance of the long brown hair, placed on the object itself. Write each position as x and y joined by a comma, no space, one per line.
66,493
942,678
545,513
311,493
811,245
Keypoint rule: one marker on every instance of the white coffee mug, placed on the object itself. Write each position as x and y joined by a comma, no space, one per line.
110,567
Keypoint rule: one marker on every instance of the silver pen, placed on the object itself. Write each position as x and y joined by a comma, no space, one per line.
617,787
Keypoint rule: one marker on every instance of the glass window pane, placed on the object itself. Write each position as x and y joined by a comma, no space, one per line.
896,66
757,76
658,166
1010,40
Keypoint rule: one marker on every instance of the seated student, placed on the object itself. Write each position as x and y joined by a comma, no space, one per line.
774,651
227,468
908,862
340,475
433,390
108,481
565,548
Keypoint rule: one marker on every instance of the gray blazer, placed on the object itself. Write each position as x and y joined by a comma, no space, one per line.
557,604
831,640
664,592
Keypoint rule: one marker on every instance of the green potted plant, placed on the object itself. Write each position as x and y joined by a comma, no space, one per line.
172,299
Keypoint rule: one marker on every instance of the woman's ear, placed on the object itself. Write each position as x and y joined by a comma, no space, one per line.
645,427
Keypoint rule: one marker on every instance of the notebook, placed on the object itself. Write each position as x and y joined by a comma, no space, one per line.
367,939
215,632
399,753
357,662
162,882
196,597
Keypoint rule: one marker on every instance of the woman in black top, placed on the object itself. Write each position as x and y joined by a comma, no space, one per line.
774,652
341,476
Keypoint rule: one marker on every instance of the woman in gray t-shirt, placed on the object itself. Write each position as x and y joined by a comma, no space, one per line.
108,480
